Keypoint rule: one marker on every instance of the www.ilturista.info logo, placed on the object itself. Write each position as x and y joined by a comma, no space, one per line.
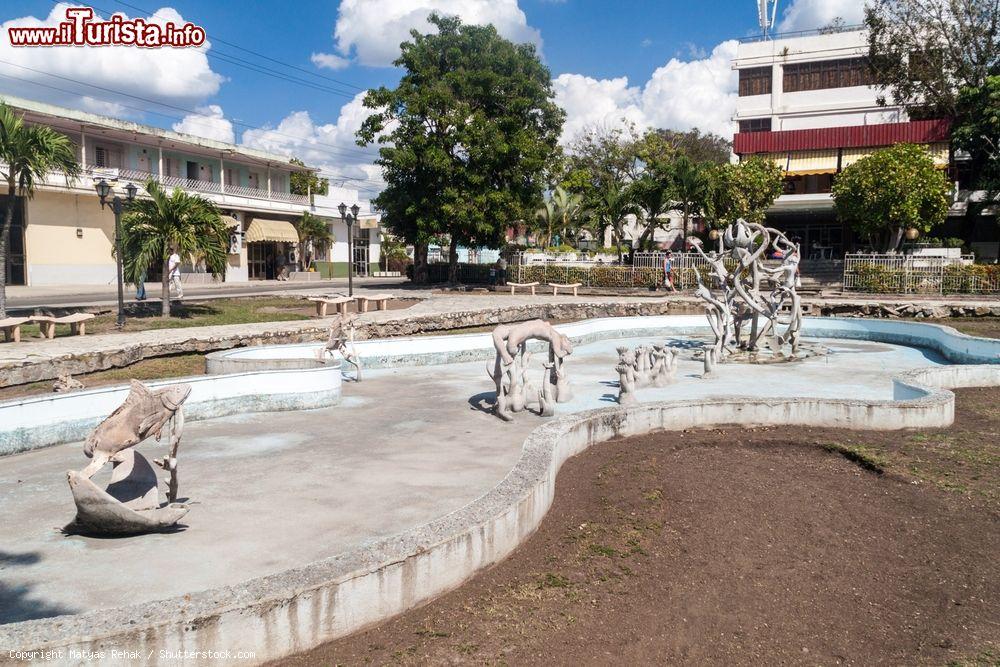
80,29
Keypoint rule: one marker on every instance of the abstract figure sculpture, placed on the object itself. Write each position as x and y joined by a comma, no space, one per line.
735,299
509,372
341,341
646,365
130,504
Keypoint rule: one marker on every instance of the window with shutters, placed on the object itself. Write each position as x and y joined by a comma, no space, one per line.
755,125
755,81
827,74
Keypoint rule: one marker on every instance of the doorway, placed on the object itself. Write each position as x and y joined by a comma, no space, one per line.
360,258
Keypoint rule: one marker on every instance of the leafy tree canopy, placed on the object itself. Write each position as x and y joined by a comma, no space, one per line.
465,137
924,52
744,190
891,190
977,131
301,183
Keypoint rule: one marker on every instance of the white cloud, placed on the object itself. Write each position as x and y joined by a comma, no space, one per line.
331,147
209,123
679,95
182,76
372,30
813,14
329,61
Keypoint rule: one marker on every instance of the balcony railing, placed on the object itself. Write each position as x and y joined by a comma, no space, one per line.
200,186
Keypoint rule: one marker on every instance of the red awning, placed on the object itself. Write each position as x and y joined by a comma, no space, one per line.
858,136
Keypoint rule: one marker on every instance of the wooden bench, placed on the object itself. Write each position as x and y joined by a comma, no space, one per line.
558,286
323,301
12,328
381,302
77,323
513,286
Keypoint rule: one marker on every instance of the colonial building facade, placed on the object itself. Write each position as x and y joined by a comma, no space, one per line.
62,236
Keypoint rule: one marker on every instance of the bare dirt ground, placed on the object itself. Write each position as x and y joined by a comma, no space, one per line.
733,546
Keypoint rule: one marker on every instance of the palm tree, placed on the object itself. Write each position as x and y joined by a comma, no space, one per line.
546,217
154,227
689,188
27,155
315,231
611,206
569,210
562,211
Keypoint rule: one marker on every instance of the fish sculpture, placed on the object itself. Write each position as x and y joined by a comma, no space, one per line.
130,503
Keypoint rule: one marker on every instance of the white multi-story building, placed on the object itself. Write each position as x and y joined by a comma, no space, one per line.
807,102
63,236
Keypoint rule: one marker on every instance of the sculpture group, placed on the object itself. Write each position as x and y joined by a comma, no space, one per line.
514,391
130,504
646,365
742,312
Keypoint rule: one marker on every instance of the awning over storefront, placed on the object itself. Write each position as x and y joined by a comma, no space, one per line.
802,163
938,152
262,229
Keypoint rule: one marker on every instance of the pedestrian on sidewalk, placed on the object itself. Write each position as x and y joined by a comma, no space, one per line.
668,271
140,288
174,268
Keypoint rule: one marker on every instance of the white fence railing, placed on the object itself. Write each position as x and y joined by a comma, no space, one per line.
918,274
139,177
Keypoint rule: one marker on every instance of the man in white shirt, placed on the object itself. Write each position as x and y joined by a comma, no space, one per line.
174,269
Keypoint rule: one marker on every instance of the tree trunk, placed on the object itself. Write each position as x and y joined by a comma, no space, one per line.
420,263
165,294
894,239
8,220
687,217
453,261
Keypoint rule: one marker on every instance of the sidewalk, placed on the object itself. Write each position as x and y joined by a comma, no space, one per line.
83,296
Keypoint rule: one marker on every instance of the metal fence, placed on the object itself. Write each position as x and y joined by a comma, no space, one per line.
916,274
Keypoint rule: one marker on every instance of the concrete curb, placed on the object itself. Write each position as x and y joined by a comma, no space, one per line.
301,608
34,422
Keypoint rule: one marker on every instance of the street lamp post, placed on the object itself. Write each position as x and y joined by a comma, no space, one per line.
104,190
349,219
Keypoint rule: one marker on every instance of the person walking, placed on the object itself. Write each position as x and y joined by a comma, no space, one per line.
502,271
174,268
140,288
668,271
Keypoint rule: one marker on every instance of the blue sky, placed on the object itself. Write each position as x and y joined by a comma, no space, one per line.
662,63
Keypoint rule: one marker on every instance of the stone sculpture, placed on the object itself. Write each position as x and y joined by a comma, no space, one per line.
547,396
341,341
626,384
739,300
510,367
664,365
130,504
66,383
709,360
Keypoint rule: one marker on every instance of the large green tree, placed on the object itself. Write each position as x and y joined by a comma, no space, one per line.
314,232
893,189
27,154
465,137
742,190
977,132
940,59
155,226
306,183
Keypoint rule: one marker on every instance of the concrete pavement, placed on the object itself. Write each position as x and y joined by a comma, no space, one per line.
81,296
275,491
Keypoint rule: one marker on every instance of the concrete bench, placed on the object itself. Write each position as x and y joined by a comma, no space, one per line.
12,328
513,286
340,302
77,323
558,286
381,302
